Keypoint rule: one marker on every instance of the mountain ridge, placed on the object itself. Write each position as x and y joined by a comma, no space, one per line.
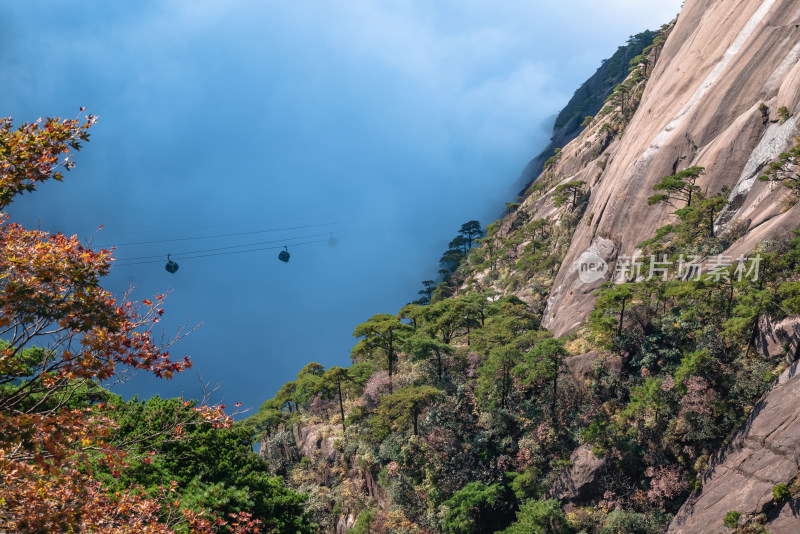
588,99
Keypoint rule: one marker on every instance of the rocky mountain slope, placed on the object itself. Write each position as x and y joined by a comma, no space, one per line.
548,382
711,101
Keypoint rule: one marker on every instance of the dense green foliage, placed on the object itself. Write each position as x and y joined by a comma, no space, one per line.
209,469
541,517
475,508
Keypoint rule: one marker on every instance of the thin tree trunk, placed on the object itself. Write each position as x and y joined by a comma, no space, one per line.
730,300
752,337
391,354
505,385
341,405
555,396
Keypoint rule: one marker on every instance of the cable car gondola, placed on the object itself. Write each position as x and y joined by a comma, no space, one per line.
284,255
333,241
171,266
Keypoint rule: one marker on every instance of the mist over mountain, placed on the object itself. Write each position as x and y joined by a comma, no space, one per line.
617,353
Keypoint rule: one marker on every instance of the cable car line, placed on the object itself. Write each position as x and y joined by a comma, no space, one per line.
222,253
181,254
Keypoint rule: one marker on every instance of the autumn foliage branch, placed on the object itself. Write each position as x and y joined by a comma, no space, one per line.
61,334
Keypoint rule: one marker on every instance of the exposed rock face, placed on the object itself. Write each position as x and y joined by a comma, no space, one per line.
374,490
582,481
312,444
581,366
702,106
766,452
345,523
779,339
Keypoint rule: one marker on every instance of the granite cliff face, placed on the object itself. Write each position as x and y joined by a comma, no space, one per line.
702,106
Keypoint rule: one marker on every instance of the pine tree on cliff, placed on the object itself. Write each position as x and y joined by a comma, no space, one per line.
382,332
680,186
334,377
471,231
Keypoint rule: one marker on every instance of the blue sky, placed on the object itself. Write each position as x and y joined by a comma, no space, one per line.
389,123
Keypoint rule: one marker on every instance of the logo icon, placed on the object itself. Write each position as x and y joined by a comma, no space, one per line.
591,267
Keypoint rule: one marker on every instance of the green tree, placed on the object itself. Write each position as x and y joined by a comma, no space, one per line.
609,311
459,243
285,397
428,287
786,169
698,220
381,332
471,231
268,418
541,517
475,509
495,373
450,260
443,290
551,161
477,304
680,186
414,312
509,321
569,191
781,493
543,364
423,347
444,318
215,469
309,383
334,378
364,522
627,522
642,60
731,519
402,408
